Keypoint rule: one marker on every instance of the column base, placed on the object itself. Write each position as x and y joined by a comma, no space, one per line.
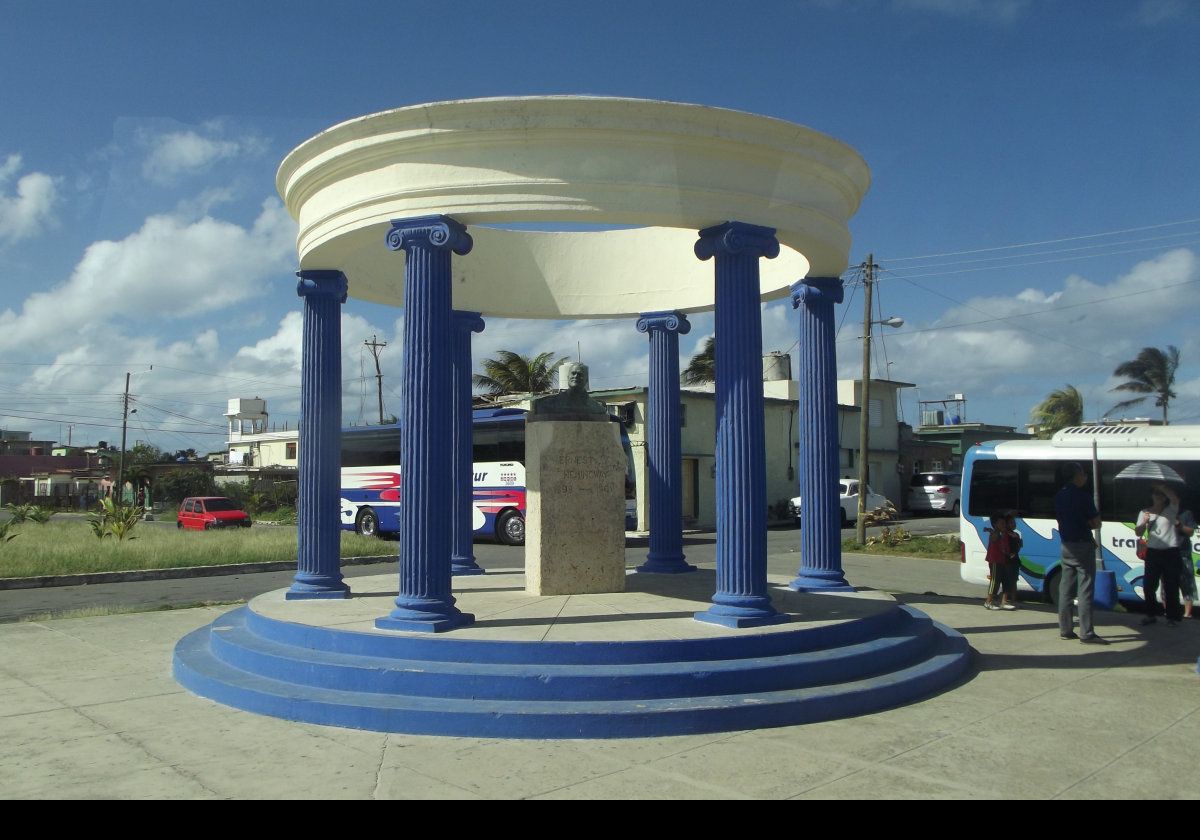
665,565
317,588
416,625
473,569
738,622
742,611
424,616
464,566
816,581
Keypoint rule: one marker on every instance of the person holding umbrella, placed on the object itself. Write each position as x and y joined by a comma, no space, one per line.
1157,523
1077,518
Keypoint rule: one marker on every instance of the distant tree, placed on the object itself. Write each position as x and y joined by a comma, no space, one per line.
1151,373
512,373
176,485
144,453
1062,408
703,366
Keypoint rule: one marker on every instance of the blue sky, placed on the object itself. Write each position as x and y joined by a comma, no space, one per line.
139,223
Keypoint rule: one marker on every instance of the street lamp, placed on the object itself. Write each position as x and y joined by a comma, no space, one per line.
864,422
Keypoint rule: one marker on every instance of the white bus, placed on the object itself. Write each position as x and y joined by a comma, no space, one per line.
370,492
1024,475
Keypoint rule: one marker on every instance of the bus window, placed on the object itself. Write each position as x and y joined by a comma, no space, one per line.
1039,484
993,487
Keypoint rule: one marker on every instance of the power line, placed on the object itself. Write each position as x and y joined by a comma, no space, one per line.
1044,242
1056,251
1042,262
1027,314
67,418
1022,328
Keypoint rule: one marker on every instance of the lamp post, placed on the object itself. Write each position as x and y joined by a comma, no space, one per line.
864,421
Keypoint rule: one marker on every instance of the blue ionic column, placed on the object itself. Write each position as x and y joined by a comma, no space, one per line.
425,603
741,599
663,443
462,558
318,560
820,532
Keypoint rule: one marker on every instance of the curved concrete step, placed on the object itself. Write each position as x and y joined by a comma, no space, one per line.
233,643
200,671
783,639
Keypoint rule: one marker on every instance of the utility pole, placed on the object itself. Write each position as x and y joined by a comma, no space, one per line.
124,426
376,346
864,420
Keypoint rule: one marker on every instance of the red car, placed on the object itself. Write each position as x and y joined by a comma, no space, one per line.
204,513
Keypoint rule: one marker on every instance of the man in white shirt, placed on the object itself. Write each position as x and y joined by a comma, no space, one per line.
1157,523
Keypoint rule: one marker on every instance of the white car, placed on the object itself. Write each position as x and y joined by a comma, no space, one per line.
935,491
848,487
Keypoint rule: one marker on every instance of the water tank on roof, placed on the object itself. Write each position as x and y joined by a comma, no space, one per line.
247,408
776,366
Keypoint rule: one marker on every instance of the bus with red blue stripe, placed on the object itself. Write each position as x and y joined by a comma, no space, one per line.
370,491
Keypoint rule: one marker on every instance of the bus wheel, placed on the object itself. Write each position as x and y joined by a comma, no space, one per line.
510,529
367,523
1051,591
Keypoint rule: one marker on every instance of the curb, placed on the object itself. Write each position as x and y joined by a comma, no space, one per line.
45,581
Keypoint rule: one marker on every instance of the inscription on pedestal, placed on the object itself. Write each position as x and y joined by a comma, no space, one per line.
575,522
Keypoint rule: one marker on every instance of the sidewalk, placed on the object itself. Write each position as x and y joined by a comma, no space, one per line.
92,711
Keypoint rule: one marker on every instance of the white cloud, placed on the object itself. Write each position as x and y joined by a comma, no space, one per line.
1157,12
168,269
1078,334
992,11
181,400
179,153
31,208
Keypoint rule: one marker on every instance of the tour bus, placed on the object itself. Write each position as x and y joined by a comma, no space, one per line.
370,494
1024,475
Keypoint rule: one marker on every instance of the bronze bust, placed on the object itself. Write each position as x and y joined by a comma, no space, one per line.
571,404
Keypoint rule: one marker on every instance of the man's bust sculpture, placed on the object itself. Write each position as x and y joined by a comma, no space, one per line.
571,404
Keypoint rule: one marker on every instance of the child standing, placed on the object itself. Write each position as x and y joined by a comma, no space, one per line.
1011,569
997,557
1003,551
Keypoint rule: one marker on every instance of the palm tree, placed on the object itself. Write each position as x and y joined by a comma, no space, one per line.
703,366
1152,373
1062,408
512,373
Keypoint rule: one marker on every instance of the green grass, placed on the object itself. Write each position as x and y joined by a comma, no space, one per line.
68,547
939,548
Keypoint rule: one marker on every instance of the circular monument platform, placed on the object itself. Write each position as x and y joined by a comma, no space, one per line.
608,665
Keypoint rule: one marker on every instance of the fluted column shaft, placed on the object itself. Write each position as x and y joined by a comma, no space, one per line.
318,558
424,602
663,443
741,599
820,531
462,557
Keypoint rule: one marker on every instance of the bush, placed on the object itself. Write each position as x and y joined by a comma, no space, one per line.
173,487
115,520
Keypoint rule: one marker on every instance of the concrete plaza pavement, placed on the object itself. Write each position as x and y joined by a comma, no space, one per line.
91,711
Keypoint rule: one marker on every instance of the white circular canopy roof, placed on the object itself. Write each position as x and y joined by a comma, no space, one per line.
662,169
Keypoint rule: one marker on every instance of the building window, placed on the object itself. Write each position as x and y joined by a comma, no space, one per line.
875,414
291,451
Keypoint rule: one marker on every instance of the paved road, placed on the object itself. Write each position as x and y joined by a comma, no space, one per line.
906,576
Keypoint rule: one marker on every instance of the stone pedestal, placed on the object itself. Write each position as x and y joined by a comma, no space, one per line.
575,508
